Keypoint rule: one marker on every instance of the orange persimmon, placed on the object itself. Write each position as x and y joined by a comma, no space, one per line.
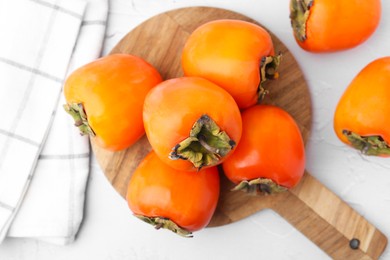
234,54
191,123
177,200
271,154
362,116
333,25
106,97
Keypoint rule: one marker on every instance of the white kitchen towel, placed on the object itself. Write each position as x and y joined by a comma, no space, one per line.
43,41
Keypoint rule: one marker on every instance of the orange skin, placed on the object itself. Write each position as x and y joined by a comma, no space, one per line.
335,25
364,108
172,108
228,53
187,198
112,90
271,147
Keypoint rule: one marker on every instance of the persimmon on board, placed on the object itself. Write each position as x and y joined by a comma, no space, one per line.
106,97
191,123
180,201
237,55
271,154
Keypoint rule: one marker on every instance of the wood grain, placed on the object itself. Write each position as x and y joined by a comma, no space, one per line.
310,207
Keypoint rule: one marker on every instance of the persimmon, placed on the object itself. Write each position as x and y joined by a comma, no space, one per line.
362,116
191,123
106,96
234,54
177,200
328,25
271,154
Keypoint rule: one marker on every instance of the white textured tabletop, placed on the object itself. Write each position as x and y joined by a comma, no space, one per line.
110,232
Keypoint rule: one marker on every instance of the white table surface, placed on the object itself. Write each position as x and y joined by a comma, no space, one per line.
110,231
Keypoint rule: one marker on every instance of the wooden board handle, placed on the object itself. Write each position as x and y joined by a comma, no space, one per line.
329,222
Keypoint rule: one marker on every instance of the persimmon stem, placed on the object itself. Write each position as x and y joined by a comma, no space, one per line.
255,186
299,13
76,110
205,146
202,141
368,145
160,222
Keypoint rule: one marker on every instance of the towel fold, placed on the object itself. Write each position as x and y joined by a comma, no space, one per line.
44,162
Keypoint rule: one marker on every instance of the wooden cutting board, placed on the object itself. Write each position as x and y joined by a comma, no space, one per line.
310,207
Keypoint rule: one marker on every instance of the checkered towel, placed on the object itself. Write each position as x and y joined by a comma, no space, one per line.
44,162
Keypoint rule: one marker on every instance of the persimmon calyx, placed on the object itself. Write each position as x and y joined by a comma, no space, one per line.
299,13
260,185
76,110
160,222
268,71
205,146
368,145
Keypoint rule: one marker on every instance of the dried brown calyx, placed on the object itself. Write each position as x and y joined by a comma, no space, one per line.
268,71
160,222
368,145
299,13
255,186
76,110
